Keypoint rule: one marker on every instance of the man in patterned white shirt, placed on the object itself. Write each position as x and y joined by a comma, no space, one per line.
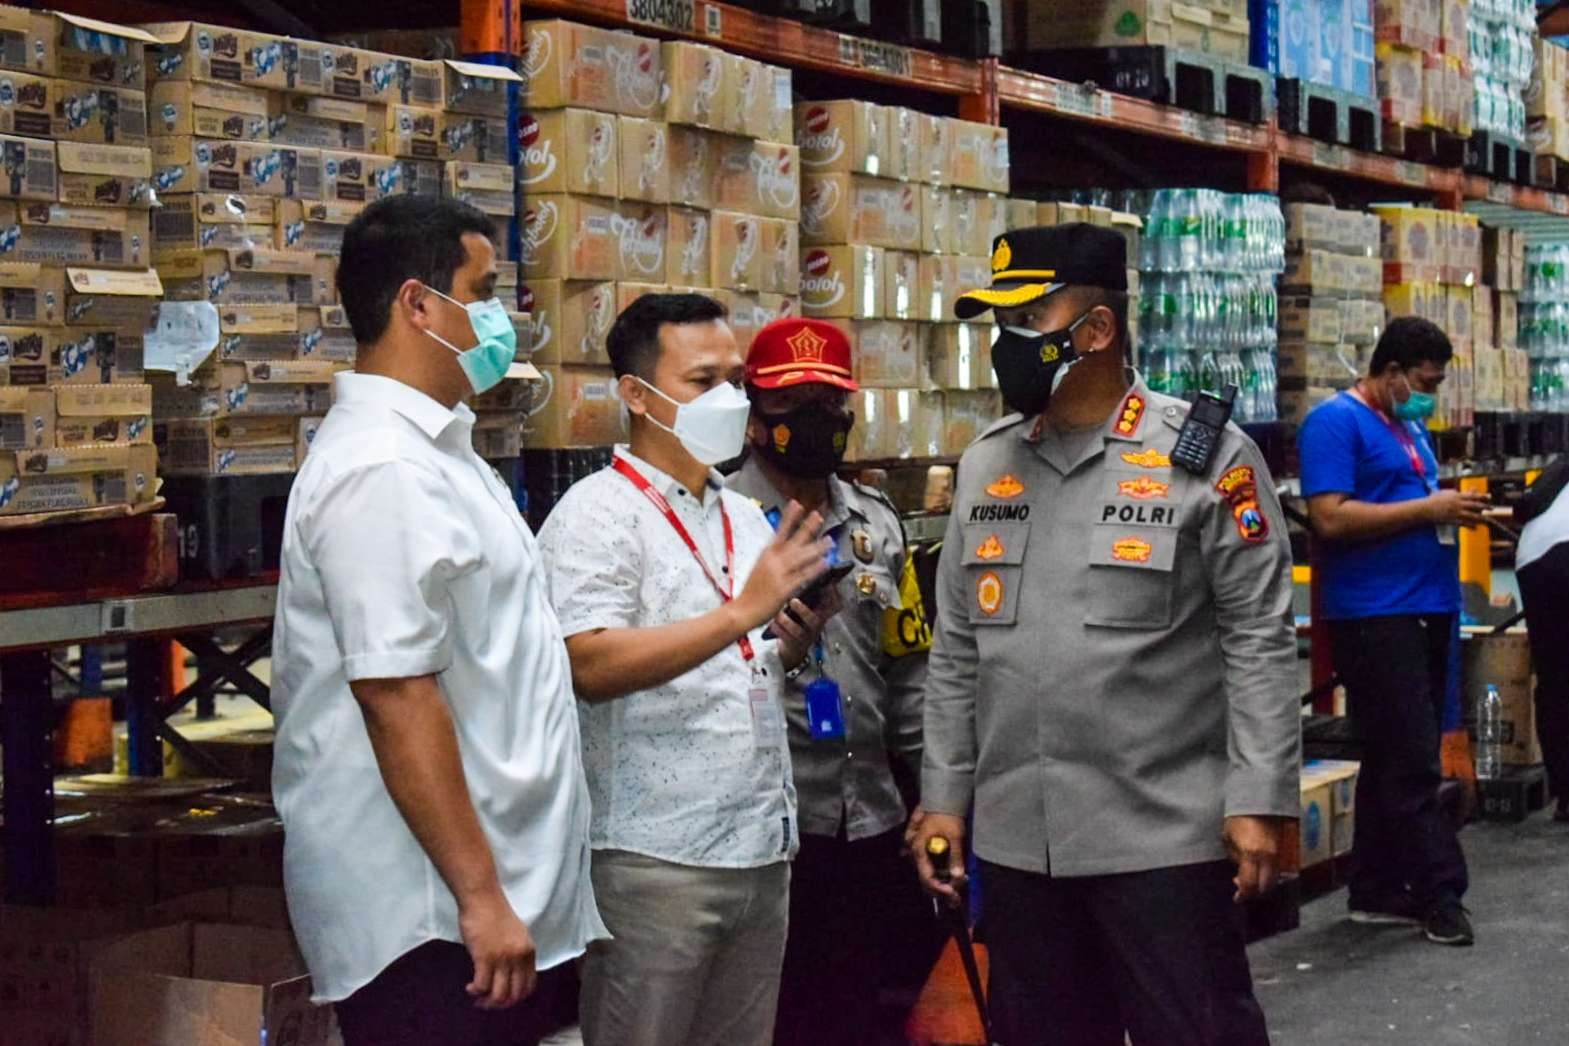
663,581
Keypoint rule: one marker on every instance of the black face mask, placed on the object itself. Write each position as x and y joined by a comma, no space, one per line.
1029,365
808,441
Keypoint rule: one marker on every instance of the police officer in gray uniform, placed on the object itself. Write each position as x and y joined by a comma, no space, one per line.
853,707
1112,681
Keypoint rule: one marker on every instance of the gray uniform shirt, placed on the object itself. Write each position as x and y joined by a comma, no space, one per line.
875,649
1114,664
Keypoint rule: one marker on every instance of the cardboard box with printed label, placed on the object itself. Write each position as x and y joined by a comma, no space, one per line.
62,479
844,137
474,87
315,227
979,156
575,407
324,334
694,155
564,63
26,418
193,51
941,209
901,284
873,437
1137,23
696,87
125,300
256,333
208,110
371,76
249,277
1316,825
568,151
781,257
570,320
1483,323
433,134
183,164
31,294
843,282
73,47
887,354
1412,236
311,122
848,208
736,262
1506,319
759,101
905,161
959,356
1306,365
935,134
627,293
1310,319
498,435
1361,321
364,178
943,278
1458,311
1312,225
180,224
689,250
28,105
100,115
640,231
227,446
229,394
113,414
568,237
489,187
643,169
58,234
965,416
757,178
105,175
28,169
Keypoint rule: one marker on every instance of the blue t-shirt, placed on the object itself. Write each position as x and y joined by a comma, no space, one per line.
1347,448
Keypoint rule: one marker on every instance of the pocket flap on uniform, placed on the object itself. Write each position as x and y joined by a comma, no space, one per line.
1142,548
996,544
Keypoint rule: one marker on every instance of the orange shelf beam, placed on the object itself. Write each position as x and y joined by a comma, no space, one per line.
1045,94
1476,187
1375,167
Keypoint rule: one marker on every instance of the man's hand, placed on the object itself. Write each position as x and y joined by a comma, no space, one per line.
791,562
1453,506
796,640
502,951
950,828
911,829
1254,844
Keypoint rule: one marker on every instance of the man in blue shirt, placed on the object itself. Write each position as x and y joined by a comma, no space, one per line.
1389,577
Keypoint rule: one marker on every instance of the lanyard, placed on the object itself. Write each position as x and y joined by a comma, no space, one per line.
1401,435
726,591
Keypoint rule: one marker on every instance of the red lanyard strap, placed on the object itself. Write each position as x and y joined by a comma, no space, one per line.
660,502
1402,436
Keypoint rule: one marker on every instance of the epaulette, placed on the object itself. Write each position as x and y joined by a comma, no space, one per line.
1001,425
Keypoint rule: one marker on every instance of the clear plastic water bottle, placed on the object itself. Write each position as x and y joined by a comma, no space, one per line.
1188,222
1489,733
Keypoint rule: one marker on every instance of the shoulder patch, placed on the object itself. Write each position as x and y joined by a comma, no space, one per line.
1238,487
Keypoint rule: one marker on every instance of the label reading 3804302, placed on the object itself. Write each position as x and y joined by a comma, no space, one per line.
676,15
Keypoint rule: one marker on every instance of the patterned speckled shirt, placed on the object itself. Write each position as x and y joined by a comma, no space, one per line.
673,772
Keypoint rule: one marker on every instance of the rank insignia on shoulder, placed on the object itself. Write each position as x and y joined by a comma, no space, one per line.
1239,488
1142,488
1148,458
1131,550
1005,486
1129,414
861,544
990,549
989,593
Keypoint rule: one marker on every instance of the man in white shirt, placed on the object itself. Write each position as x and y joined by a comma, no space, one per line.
1542,569
664,581
427,766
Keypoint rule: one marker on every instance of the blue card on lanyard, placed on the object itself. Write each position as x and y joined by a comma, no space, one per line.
824,710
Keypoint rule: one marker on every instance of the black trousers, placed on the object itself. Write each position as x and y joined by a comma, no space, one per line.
1544,588
420,1001
1396,674
1157,954
862,940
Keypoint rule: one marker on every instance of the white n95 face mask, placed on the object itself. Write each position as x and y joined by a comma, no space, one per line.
712,427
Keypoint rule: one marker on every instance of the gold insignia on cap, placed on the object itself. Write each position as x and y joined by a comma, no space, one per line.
1002,257
807,345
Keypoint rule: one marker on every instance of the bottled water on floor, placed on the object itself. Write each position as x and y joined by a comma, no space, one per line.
1489,733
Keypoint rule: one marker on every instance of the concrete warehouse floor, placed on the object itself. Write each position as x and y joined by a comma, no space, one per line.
1332,983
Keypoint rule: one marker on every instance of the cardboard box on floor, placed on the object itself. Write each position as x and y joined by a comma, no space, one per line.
1316,826
201,984
1341,777
1505,662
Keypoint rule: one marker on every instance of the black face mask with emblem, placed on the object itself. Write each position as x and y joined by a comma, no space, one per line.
808,441
1031,364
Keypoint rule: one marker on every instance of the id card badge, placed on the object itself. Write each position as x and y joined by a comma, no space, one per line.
824,710
1448,534
768,724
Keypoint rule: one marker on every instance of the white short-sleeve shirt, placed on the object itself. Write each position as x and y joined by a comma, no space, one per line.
404,555
675,772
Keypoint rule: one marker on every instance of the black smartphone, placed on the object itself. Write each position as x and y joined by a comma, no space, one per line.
813,595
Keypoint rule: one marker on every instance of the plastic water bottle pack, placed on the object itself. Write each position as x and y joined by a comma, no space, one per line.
1544,325
1207,306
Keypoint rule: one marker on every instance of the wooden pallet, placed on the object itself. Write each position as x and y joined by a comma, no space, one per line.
1427,145
1552,172
1500,157
1328,114
1185,79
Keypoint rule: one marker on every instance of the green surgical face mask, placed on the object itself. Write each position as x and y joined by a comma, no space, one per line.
1418,407
497,342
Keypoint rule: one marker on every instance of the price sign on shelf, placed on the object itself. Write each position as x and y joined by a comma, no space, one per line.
1188,125
875,55
678,16
1212,129
1326,154
1558,203
1501,192
1411,173
1076,99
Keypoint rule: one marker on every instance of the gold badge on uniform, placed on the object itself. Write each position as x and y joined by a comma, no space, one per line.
989,593
1005,486
861,542
1131,550
1142,488
990,549
866,585
1148,458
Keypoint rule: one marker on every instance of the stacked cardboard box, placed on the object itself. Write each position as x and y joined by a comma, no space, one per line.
1322,41
75,288
899,211
645,167
1330,308
264,149
1423,69
1432,265
1503,373
1216,27
1547,101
